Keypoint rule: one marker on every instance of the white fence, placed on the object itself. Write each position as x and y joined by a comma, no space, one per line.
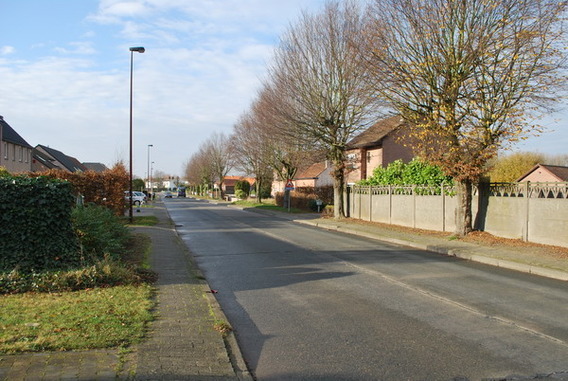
535,212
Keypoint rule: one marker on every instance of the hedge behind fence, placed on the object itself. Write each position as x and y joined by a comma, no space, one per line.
305,197
35,224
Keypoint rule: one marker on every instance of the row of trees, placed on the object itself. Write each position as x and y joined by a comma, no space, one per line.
470,76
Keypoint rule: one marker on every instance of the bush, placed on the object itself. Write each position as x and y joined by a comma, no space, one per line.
242,189
417,172
304,198
101,188
100,232
36,233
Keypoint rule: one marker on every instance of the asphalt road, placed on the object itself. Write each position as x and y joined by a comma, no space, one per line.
311,304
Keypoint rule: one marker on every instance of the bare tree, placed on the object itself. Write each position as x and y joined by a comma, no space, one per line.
321,89
469,74
198,171
286,153
251,150
218,152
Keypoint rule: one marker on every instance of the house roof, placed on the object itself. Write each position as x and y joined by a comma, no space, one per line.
44,159
374,134
69,162
312,172
97,167
560,172
232,180
10,135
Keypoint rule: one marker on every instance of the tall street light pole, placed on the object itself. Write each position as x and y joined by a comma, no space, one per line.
149,176
151,169
138,49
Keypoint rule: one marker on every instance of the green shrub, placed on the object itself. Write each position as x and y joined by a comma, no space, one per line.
242,189
416,172
99,231
36,233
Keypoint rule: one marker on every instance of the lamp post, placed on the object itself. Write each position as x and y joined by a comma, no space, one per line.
138,49
151,185
149,176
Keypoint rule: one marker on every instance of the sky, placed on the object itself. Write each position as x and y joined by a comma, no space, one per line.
65,75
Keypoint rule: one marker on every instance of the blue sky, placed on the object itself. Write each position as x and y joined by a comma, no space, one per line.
65,64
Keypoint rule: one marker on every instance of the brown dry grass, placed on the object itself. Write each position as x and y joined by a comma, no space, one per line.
477,237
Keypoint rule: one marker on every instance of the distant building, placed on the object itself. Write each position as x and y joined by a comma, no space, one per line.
97,167
15,152
544,173
229,183
315,176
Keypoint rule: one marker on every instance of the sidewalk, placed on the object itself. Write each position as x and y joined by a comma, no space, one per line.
182,343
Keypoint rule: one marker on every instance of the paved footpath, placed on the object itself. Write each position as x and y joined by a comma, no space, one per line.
181,345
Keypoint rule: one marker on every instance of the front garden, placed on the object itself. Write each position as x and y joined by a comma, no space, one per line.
71,276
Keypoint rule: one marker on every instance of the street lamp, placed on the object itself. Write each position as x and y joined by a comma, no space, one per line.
138,49
151,170
149,176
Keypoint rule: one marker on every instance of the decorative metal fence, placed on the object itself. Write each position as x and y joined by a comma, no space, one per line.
534,190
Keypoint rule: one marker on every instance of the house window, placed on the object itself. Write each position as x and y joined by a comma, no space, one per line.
21,158
27,155
368,157
14,154
5,150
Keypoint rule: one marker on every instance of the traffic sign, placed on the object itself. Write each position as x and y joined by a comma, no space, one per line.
289,185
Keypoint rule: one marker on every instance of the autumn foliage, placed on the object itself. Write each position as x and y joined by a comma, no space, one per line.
101,188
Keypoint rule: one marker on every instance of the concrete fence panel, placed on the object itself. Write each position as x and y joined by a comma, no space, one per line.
548,222
531,212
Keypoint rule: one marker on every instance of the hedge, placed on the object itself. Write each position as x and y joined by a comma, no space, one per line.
304,198
101,188
36,232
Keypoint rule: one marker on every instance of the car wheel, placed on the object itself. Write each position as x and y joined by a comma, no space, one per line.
137,203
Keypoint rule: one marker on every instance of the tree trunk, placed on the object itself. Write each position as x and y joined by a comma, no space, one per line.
338,188
463,208
258,188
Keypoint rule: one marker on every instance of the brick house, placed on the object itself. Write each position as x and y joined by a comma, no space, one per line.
379,145
544,173
48,158
316,175
228,186
15,152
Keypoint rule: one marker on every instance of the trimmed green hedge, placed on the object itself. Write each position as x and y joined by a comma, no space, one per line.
36,232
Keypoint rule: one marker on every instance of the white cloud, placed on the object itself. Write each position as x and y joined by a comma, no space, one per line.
200,70
80,48
6,50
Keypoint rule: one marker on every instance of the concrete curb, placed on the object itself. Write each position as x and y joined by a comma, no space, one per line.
449,251
233,350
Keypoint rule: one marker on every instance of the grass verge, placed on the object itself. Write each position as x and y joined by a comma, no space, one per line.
73,314
94,318
142,220
268,206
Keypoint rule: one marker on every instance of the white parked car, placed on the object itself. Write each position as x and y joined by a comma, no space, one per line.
138,198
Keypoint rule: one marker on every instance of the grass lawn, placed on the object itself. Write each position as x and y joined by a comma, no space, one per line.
95,318
98,317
